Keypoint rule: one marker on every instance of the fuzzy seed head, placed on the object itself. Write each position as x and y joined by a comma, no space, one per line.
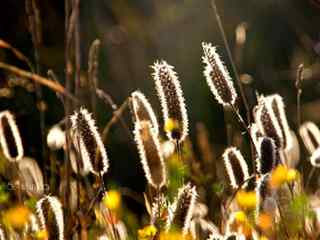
171,99
88,142
183,208
236,166
267,158
150,154
217,76
10,139
310,135
143,110
50,214
271,120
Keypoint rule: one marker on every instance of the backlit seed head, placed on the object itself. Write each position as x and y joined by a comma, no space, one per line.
310,135
217,76
150,154
88,142
182,209
50,214
236,166
171,99
267,158
271,120
143,111
10,139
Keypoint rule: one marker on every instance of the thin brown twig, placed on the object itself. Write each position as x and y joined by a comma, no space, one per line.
298,85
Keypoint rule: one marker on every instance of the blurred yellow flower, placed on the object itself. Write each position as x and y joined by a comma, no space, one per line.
264,221
171,125
112,200
41,235
280,175
16,217
240,216
246,200
147,233
174,235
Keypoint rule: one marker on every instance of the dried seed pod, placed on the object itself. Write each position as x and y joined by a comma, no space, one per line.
78,164
10,139
217,76
268,153
56,138
315,158
50,214
271,120
158,207
183,208
203,229
143,110
236,166
150,154
88,142
310,135
31,177
172,101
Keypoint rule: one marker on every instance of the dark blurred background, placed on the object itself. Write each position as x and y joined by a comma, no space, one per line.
269,39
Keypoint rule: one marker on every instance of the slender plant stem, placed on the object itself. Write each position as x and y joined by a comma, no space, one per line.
234,68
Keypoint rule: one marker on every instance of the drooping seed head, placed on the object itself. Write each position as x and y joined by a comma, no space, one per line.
236,166
182,209
143,110
267,157
50,214
150,154
10,139
88,142
217,76
271,120
172,101
310,135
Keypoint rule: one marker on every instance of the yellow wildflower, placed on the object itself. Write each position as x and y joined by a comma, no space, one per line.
146,233
16,217
264,221
171,125
41,235
174,235
112,200
240,216
282,175
246,200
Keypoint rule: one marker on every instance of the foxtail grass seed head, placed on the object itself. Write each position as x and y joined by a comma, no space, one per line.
267,121
50,214
217,76
315,158
143,110
56,138
172,101
10,139
267,159
88,142
183,208
236,166
150,154
310,135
